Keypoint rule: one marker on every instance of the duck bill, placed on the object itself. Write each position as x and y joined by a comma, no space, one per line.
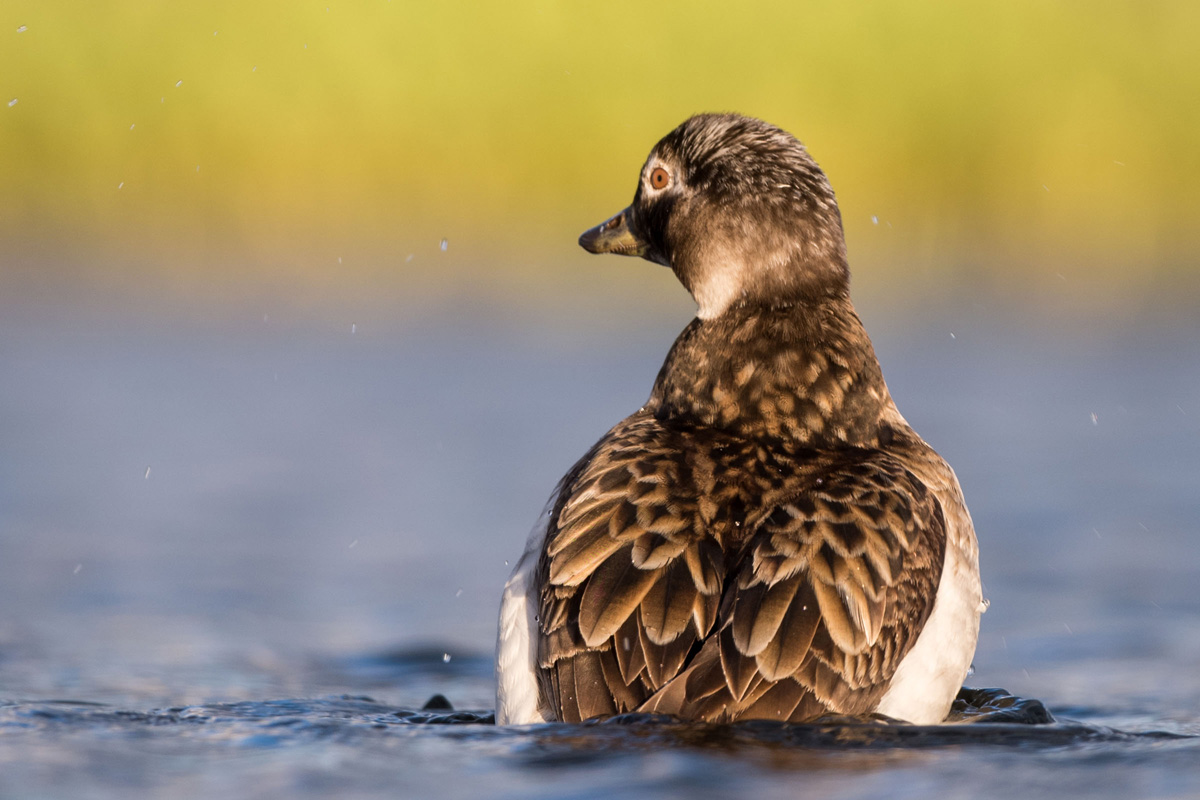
615,235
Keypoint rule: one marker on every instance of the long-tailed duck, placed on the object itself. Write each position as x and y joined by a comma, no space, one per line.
767,538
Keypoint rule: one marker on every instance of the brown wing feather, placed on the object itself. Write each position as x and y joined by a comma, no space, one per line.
611,594
838,580
722,580
631,570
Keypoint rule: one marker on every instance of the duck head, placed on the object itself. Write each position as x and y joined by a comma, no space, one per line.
739,211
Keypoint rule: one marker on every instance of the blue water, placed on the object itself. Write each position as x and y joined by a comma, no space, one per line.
354,745
240,554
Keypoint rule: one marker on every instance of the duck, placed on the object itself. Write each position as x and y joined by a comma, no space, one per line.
767,537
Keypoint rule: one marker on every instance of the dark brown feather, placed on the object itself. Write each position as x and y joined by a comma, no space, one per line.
611,594
627,647
667,608
593,695
788,647
663,661
627,695
740,669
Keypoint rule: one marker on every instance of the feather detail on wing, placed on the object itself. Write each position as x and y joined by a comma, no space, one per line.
799,606
633,577
837,582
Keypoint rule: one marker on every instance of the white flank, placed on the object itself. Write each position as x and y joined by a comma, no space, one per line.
929,677
517,700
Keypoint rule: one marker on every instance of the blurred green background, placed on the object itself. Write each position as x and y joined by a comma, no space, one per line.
1044,153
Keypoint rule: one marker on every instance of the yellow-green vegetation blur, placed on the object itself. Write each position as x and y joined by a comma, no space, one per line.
177,141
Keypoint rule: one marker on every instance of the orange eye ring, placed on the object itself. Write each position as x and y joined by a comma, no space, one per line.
660,178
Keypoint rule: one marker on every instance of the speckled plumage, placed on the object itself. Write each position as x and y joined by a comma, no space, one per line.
766,537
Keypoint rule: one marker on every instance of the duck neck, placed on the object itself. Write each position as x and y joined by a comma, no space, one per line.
805,373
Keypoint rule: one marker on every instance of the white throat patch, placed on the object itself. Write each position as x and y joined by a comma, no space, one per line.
719,288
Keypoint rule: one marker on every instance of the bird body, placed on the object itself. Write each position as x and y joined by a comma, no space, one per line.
766,538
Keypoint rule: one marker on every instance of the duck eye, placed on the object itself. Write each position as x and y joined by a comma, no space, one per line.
660,178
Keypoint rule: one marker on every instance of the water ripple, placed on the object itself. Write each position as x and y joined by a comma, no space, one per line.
979,717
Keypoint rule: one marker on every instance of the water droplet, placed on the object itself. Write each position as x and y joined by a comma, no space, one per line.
22,28
77,568
339,259
254,69
147,475
12,102
353,544
131,125
214,33
458,593
353,328
178,84
121,185
197,168
874,220
410,255
445,658
1095,418
952,336
445,244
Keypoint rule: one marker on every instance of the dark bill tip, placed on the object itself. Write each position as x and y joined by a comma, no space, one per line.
613,236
